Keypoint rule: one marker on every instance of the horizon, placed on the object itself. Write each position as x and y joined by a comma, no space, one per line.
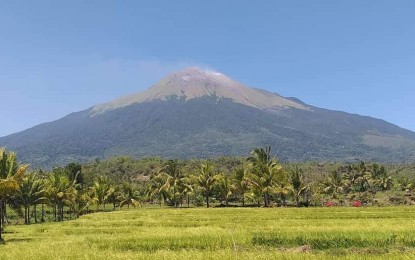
353,57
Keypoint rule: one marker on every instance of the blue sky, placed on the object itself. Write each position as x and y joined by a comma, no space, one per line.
58,57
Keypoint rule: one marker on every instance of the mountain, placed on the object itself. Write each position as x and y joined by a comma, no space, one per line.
198,114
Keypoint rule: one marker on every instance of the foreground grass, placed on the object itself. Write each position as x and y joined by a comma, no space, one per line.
221,233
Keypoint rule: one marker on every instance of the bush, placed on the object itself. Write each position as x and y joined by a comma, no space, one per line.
329,204
357,204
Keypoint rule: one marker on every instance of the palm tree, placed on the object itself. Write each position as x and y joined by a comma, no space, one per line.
157,188
174,175
334,184
113,196
61,191
240,183
364,177
264,172
85,200
8,186
186,190
30,193
380,178
283,189
405,184
129,195
298,187
101,190
11,175
206,180
225,187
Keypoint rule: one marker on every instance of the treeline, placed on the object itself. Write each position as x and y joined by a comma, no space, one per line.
259,180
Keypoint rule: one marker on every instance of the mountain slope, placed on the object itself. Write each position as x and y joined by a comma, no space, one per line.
195,83
194,113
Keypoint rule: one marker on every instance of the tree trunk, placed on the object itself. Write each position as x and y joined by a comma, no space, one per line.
43,213
35,215
62,212
174,197
54,211
265,200
188,200
25,215
283,200
207,201
243,200
3,208
1,220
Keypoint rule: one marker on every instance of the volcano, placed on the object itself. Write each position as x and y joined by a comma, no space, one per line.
196,113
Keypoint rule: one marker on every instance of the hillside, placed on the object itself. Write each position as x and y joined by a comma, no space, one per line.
199,114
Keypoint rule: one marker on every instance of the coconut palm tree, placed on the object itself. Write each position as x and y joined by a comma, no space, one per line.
206,181
225,188
30,193
11,175
264,172
8,186
60,191
174,175
334,184
405,184
129,195
186,190
380,178
157,188
101,190
240,183
298,187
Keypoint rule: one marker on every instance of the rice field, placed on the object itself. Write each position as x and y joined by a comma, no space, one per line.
221,233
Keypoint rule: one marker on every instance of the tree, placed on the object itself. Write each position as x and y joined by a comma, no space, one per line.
206,180
225,188
298,187
333,185
101,190
74,173
240,183
174,176
11,175
364,177
30,193
264,171
381,179
157,188
129,195
405,184
60,191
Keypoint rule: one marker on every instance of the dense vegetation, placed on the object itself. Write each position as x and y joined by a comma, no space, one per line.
259,180
206,128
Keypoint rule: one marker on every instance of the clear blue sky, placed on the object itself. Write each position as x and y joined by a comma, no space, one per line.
58,57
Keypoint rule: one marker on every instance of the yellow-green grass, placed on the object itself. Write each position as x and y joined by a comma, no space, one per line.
221,233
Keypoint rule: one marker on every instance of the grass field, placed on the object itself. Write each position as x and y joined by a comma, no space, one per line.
221,233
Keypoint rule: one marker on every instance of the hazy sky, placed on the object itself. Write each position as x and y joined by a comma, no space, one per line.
58,57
